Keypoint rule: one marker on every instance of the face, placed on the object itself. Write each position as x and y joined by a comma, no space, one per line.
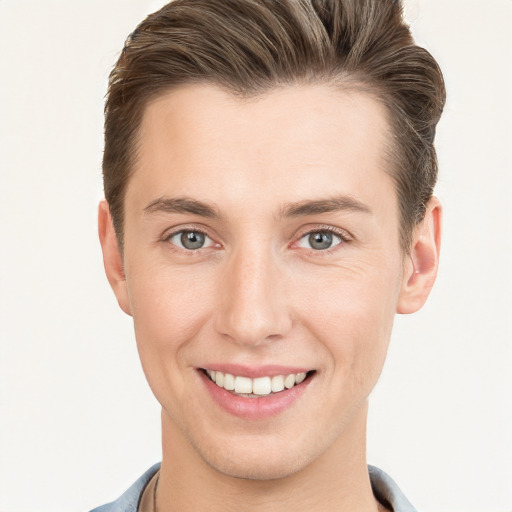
262,251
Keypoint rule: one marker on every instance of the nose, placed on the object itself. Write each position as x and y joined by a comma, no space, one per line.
253,307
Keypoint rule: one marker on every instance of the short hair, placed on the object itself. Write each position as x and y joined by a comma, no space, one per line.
249,47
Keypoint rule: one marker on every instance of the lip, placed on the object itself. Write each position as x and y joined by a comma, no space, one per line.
259,408
256,371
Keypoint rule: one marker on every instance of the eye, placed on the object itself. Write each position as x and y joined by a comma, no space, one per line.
320,240
190,240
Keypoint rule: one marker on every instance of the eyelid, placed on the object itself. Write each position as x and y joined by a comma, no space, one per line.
343,234
177,230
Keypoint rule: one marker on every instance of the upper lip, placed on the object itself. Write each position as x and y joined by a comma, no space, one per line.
254,372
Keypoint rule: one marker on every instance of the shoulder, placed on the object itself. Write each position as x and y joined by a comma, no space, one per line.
387,491
129,501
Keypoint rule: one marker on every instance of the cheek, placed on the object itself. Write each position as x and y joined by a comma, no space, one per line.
168,303
169,308
352,315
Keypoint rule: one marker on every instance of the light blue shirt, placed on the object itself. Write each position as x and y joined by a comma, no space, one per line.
384,488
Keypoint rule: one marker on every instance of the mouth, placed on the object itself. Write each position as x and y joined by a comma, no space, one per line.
257,392
259,387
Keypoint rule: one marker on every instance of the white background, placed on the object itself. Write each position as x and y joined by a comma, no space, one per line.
77,421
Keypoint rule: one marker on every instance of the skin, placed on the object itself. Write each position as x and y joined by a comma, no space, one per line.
257,293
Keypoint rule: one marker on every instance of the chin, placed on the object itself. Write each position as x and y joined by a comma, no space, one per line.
257,462
255,469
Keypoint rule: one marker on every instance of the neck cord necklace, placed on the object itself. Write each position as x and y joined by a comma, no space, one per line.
154,492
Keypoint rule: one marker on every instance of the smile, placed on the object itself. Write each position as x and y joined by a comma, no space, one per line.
253,388
256,393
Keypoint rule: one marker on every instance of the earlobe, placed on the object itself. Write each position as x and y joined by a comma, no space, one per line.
420,269
112,258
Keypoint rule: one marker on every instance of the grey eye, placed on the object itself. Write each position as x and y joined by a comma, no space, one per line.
190,240
320,240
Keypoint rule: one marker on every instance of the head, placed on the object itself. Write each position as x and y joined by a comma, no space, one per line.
269,169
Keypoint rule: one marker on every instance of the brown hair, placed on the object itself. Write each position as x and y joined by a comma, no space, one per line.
251,46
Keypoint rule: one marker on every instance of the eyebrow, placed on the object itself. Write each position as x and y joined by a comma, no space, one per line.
299,209
182,205
319,206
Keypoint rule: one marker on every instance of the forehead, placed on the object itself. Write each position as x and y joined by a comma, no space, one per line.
291,143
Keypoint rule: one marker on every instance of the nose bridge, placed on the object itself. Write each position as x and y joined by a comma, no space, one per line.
253,308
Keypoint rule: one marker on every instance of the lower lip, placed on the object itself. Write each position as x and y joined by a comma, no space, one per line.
254,408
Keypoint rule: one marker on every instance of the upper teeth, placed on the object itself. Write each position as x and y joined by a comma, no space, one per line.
258,386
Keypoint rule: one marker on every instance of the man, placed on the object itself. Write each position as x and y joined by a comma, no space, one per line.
269,169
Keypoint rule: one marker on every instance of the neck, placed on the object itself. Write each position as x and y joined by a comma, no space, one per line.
337,480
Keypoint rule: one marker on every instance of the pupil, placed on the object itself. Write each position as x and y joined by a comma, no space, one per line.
192,240
320,241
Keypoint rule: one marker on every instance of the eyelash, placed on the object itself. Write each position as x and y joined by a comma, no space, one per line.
341,234
189,252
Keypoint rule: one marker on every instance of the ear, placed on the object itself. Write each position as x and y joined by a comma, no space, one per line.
420,268
112,258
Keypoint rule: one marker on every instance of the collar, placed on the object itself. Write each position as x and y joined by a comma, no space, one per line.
383,486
